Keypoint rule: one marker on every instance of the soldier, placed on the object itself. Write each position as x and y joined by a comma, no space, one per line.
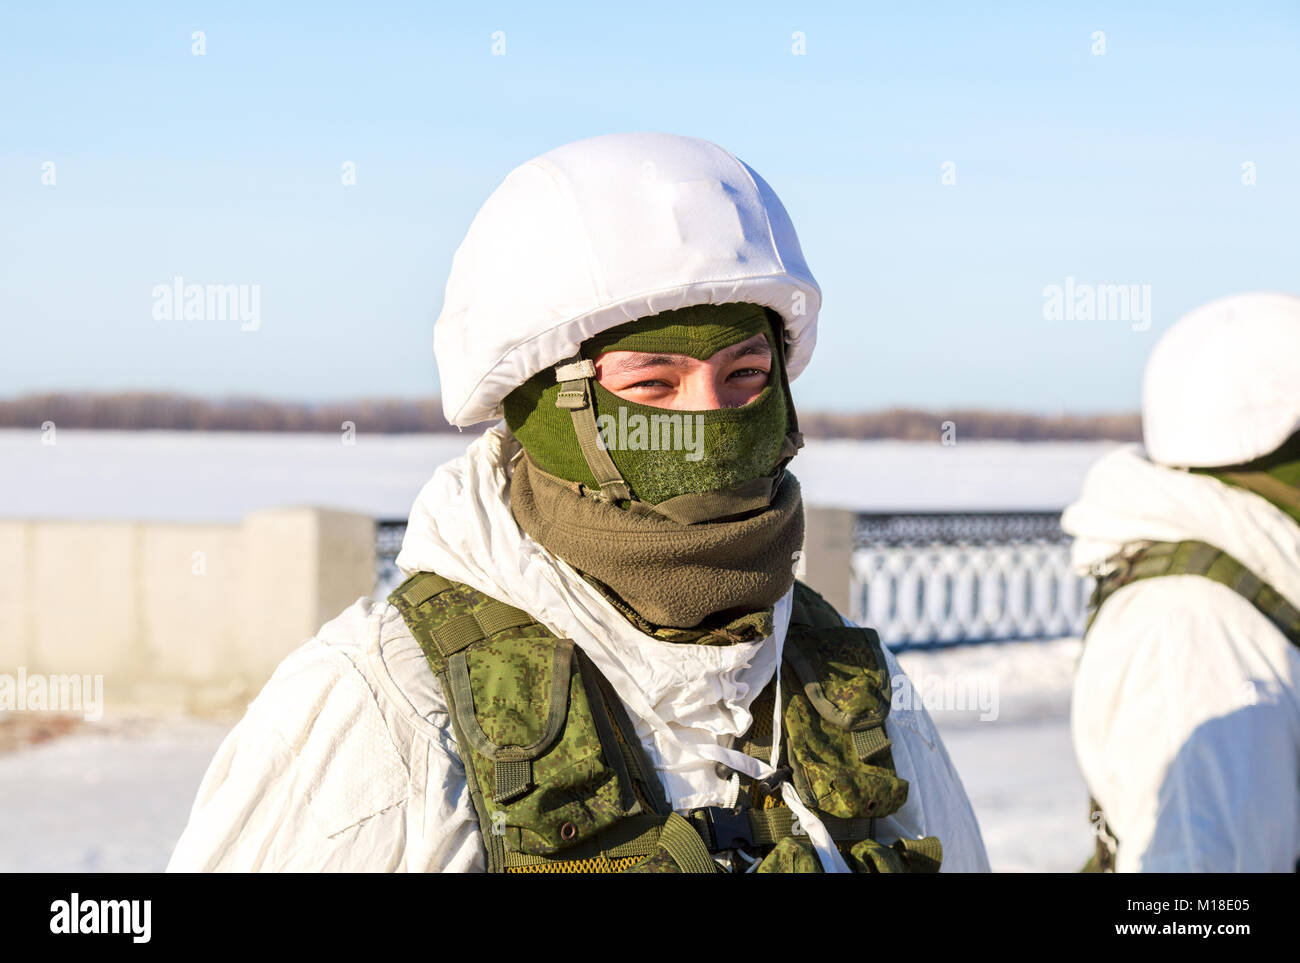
600,659
1185,715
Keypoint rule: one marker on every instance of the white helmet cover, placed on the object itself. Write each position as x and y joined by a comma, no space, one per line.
601,232
1222,386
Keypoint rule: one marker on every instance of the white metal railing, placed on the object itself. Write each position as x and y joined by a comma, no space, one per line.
941,594
923,579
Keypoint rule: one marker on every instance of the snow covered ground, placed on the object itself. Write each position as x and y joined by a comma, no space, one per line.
1017,761
196,476
115,795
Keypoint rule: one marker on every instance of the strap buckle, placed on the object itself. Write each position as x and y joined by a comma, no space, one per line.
575,370
722,829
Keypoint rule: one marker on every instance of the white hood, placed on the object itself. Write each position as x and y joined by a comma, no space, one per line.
1126,498
605,231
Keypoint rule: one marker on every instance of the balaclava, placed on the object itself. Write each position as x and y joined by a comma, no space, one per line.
680,515
738,444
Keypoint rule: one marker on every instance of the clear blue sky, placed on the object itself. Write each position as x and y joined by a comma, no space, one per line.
1122,168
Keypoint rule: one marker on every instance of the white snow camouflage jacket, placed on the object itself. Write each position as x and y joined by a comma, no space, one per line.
346,760
1186,718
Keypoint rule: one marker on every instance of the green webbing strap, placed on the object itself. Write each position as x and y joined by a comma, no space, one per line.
770,826
1199,558
1265,485
849,830
812,611
680,841
868,743
767,827
493,842
465,630
421,587
499,617
642,845
414,594
634,757
514,776
459,632
609,740
575,394
921,854
456,634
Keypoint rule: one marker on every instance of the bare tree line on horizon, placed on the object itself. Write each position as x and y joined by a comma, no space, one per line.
163,411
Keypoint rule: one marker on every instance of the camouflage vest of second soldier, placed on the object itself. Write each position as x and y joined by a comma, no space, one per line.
561,784
1144,560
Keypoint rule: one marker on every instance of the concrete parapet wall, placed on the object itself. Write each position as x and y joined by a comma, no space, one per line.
176,616
828,554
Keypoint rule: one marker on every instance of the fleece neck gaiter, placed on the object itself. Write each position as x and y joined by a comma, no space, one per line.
669,574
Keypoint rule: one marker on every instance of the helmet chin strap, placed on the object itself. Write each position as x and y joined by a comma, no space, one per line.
574,377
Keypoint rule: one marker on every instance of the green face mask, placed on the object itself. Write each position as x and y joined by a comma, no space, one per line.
691,465
663,454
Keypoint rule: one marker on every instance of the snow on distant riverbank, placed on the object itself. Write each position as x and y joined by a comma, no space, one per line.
221,476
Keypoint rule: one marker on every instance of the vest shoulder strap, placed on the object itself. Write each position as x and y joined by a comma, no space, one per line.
1155,559
810,610
446,617
557,776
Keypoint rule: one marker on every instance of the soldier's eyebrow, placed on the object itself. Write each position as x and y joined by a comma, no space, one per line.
736,352
638,361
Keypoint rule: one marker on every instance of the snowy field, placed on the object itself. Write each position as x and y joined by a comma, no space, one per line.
111,797
1019,768
114,795
200,477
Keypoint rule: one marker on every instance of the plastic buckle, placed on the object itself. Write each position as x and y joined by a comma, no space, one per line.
729,828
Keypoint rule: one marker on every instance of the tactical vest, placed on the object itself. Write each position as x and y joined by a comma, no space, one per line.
1152,560
561,784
